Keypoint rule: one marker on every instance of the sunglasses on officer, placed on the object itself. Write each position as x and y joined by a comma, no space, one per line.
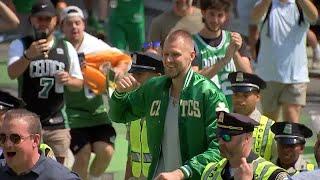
14,138
226,136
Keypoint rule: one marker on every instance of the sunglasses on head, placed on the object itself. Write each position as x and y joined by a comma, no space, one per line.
14,138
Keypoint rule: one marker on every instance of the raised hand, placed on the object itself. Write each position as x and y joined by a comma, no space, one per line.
235,44
236,40
244,172
127,84
62,77
37,48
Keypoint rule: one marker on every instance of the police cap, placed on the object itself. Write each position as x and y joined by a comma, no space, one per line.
146,62
9,101
290,133
245,82
235,123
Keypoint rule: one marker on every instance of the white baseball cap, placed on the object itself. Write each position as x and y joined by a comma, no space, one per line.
71,11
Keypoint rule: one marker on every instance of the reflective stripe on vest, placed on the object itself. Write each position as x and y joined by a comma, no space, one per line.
140,154
135,156
262,169
213,170
263,138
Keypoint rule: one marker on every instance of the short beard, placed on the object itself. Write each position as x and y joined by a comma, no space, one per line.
208,27
171,75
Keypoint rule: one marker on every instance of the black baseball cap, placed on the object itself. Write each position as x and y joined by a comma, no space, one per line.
146,62
43,8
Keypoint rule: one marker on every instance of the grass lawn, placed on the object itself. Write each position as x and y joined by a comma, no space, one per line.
5,81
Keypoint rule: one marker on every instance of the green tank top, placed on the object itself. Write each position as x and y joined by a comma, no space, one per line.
127,11
85,109
207,56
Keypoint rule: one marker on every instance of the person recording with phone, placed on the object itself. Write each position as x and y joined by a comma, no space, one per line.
44,66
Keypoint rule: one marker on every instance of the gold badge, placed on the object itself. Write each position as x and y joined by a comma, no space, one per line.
287,129
239,77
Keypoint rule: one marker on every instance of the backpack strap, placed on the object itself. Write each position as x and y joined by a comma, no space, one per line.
300,21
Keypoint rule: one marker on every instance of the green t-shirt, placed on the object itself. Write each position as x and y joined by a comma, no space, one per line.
208,55
131,11
85,109
23,6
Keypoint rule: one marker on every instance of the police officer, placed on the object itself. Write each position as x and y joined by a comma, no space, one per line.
291,141
246,94
144,66
235,139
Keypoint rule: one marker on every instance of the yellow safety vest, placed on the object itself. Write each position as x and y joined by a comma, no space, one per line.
47,151
140,153
262,169
263,138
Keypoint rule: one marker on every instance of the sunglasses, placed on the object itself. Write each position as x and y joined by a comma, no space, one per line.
14,138
225,137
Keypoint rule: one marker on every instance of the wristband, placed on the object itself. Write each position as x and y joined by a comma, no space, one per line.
25,55
186,170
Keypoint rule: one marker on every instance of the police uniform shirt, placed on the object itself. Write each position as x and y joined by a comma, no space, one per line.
300,165
255,115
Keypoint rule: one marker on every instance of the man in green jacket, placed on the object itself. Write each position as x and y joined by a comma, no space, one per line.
179,109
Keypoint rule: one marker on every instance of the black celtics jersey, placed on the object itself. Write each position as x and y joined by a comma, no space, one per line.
37,84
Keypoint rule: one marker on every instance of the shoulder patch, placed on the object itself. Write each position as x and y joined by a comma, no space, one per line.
221,106
282,176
